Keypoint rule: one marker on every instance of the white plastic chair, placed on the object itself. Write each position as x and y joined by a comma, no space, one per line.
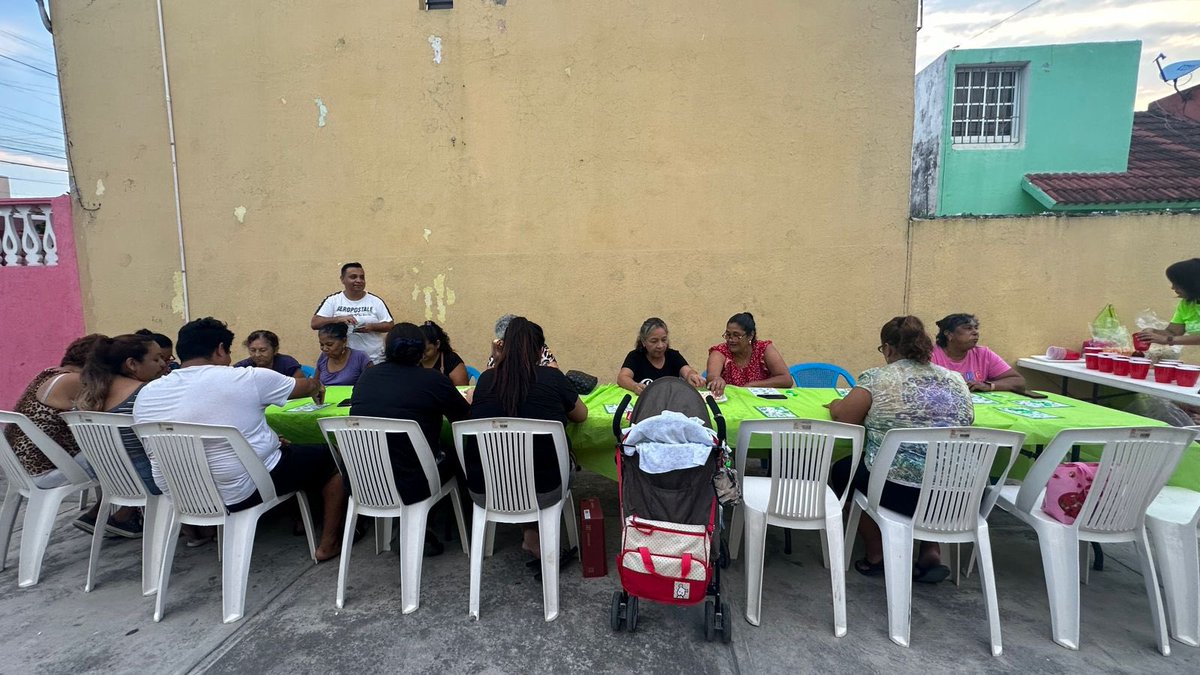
1173,520
362,450
1134,464
44,503
506,454
178,450
957,463
98,435
796,496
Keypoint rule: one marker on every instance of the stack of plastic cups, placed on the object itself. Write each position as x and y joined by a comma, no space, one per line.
1120,365
1139,368
1186,376
1106,362
1164,372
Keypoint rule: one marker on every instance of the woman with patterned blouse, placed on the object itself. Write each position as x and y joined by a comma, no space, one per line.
743,360
908,392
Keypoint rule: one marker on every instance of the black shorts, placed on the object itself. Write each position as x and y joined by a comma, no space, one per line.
896,497
300,467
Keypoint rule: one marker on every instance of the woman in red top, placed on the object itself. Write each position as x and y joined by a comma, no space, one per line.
745,361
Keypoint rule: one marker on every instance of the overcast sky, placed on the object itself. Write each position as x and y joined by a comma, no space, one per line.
1170,27
31,126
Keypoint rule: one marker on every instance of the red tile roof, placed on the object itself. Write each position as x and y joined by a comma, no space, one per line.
1164,166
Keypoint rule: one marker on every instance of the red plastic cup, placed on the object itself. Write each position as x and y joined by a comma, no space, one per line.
1186,376
1120,366
1071,356
1164,373
1139,368
1140,345
1092,349
1091,360
1106,363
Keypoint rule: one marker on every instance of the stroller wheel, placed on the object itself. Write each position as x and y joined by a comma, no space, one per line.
710,620
631,614
726,624
614,612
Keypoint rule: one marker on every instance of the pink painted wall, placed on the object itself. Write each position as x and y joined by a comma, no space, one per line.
41,308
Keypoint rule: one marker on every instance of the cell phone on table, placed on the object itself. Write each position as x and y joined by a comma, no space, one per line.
345,403
774,397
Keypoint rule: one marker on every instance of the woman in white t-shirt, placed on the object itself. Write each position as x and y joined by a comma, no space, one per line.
365,315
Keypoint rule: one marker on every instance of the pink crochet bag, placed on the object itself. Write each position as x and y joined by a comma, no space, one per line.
1067,490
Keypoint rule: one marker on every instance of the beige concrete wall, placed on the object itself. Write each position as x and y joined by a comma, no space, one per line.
1040,280
586,164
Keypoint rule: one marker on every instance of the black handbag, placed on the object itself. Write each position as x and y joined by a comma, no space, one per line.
583,383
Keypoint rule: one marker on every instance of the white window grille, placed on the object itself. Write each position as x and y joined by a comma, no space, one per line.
27,236
987,105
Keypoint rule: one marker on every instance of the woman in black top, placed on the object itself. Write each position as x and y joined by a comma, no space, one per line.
652,358
400,388
440,356
519,387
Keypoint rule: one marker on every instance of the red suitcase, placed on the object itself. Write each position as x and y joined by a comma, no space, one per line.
591,538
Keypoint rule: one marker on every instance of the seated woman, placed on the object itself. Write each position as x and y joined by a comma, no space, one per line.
400,388
165,347
519,387
546,358
652,358
908,392
338,364
743,360
263,346
1184,328
441,357
958,349
50,392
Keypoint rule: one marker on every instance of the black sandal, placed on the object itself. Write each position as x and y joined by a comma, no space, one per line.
867,568
934,574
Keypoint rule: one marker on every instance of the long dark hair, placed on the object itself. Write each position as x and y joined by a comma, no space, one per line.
105,363
435,335
648,326
906,335
516,367
949,324
1186,275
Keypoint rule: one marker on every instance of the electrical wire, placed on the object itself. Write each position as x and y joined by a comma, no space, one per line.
34,166
32,67
1035,2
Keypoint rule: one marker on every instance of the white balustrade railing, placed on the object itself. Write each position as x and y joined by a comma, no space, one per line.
28,236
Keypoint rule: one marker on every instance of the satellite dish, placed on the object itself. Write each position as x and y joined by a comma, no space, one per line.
1173,71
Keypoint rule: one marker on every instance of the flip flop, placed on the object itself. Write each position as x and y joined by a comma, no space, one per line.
933,574
868,569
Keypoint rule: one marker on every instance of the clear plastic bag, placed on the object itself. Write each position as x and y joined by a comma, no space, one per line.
1149,320
1108,331
1159,409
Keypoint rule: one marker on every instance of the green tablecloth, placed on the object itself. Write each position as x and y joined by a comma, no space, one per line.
594,444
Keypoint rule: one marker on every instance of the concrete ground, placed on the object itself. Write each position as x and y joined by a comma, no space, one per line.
291,624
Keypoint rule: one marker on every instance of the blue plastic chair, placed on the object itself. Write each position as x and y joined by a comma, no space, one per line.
819,375
472,375
308,371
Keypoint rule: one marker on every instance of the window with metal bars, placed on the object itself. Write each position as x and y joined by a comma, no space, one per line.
439,4
987,105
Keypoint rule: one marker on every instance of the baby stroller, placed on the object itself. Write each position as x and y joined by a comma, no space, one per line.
669,516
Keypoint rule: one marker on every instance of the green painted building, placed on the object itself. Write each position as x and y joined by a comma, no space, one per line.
985,118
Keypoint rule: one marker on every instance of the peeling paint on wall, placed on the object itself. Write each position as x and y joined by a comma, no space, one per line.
427,233
436,43
322,112
240,214
438,297
177,300
99,188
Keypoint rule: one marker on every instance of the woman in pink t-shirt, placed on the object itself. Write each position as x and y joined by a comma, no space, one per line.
958,349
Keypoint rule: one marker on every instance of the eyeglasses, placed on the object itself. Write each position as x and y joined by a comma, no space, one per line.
880,348
733,336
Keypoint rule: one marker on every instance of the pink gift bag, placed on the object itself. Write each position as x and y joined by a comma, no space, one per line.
1067,490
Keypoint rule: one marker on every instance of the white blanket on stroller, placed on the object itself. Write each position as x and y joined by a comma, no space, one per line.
670,441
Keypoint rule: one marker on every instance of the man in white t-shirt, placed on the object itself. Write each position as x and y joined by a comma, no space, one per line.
365,314
205,390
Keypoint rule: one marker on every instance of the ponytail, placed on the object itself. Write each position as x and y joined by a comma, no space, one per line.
104,364
907,336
